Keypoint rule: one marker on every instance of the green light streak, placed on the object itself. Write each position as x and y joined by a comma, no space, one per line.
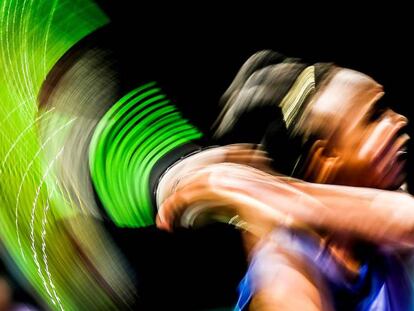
128,141
34,35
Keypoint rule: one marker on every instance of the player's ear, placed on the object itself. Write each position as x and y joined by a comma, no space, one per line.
323,163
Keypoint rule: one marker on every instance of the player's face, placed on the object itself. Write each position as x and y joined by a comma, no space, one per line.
365,143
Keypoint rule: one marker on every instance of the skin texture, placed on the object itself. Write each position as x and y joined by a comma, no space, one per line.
281,273
355,157
5,295
359,145
265,201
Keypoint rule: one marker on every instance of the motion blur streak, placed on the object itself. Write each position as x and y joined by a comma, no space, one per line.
45,208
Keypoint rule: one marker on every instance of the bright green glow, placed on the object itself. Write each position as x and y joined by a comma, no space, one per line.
34,35
132,136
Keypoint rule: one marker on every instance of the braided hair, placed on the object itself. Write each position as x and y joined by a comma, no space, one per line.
267,104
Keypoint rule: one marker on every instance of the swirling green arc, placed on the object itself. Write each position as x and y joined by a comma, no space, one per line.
132,136
34,35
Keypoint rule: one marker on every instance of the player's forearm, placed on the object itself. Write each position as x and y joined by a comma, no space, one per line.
265,201
373,214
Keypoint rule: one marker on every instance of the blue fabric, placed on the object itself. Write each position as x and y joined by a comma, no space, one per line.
382,285
245,294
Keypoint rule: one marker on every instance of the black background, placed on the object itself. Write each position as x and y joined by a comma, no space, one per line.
194,51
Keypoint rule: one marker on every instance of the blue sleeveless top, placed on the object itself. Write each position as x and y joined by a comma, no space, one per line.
383,283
